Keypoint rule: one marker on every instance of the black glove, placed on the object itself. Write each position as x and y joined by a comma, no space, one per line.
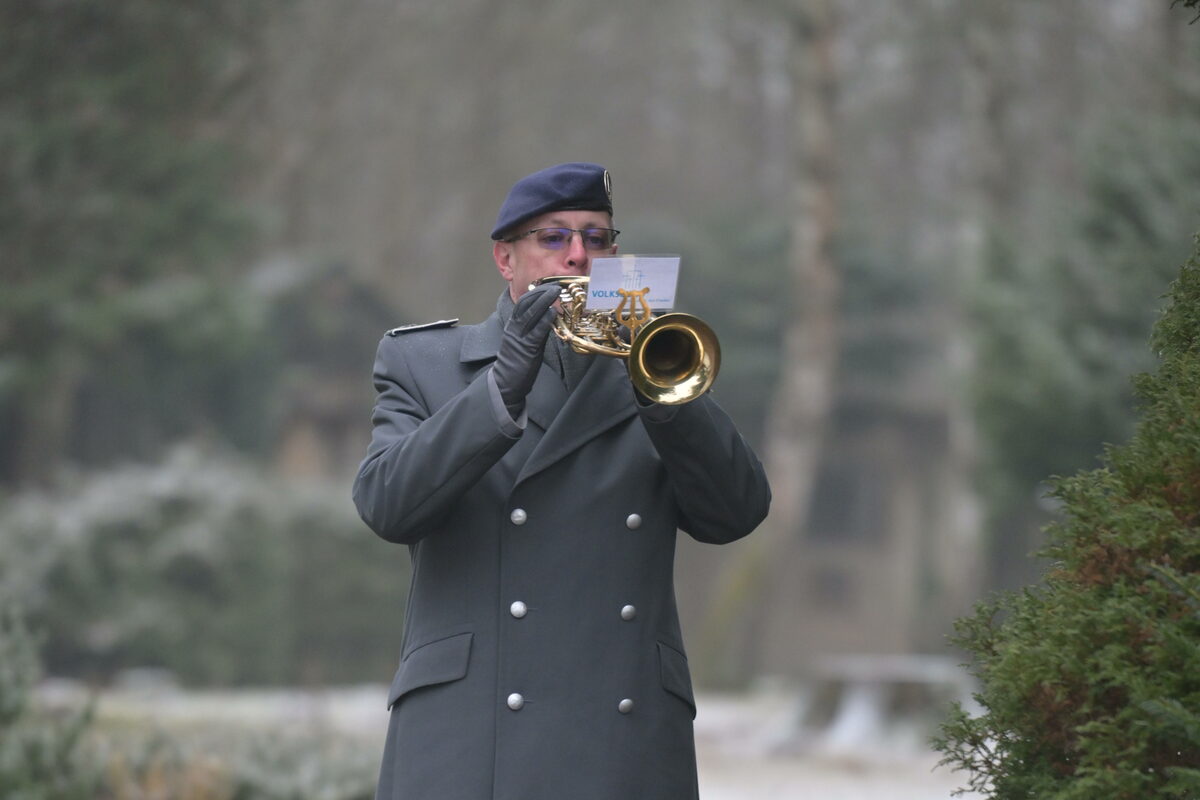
520,354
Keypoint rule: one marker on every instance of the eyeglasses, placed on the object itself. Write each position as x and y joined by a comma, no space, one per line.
558,238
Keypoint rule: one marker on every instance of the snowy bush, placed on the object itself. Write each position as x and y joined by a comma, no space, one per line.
204,566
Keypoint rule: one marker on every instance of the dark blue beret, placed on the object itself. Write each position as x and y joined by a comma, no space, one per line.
564,187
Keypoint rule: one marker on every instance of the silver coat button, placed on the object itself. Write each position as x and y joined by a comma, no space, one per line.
515,701
625,706
633,521
628,613
518,609
518,516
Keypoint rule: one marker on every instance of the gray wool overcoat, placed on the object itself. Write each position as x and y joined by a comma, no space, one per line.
541,656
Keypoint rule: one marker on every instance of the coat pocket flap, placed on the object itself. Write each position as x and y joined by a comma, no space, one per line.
676,678
440,661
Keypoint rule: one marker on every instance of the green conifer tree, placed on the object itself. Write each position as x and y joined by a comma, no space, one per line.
40,756
1090,682
120,234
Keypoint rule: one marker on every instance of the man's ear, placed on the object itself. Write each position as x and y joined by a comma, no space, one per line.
502,255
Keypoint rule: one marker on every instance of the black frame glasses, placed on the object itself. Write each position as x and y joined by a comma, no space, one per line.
555,238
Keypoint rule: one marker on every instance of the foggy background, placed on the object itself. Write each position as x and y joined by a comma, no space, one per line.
931,235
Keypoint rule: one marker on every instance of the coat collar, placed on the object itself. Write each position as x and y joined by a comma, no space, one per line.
481,342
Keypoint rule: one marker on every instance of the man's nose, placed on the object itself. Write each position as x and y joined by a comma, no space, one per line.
577,256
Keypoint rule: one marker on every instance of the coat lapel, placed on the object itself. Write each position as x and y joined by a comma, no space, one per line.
546,399
602,399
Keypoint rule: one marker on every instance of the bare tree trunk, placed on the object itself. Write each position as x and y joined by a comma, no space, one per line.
988,208
804,396
803,399
44,421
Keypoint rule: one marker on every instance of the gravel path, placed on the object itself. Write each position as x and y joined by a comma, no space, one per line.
747,751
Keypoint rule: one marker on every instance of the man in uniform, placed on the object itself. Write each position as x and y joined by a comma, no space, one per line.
539,495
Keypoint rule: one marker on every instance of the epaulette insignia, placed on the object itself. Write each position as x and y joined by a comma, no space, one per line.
423,326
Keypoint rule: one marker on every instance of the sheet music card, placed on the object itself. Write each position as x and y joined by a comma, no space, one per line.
632,273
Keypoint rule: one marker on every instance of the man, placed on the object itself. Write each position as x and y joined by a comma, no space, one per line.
540,498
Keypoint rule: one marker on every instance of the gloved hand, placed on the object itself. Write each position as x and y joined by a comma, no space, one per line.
520,354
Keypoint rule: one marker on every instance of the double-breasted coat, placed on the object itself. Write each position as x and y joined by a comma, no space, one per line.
541,655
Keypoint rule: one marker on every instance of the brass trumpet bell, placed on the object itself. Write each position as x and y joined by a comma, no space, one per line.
672,359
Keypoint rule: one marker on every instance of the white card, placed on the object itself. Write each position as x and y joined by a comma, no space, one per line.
613,273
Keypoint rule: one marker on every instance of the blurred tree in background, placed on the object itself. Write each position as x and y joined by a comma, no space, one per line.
1061,332
119,230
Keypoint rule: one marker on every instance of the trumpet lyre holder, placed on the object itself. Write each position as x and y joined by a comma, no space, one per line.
672,359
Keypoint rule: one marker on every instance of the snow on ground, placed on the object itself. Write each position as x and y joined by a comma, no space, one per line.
748,750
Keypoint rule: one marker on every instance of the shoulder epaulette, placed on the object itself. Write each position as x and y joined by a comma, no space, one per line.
423,326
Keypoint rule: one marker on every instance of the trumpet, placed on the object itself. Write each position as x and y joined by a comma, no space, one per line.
671,358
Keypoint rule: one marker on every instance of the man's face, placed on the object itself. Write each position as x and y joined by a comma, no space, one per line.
523,261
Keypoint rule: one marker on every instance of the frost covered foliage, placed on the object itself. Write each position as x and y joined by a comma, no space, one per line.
203,566
1091,681
230,764
56,755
